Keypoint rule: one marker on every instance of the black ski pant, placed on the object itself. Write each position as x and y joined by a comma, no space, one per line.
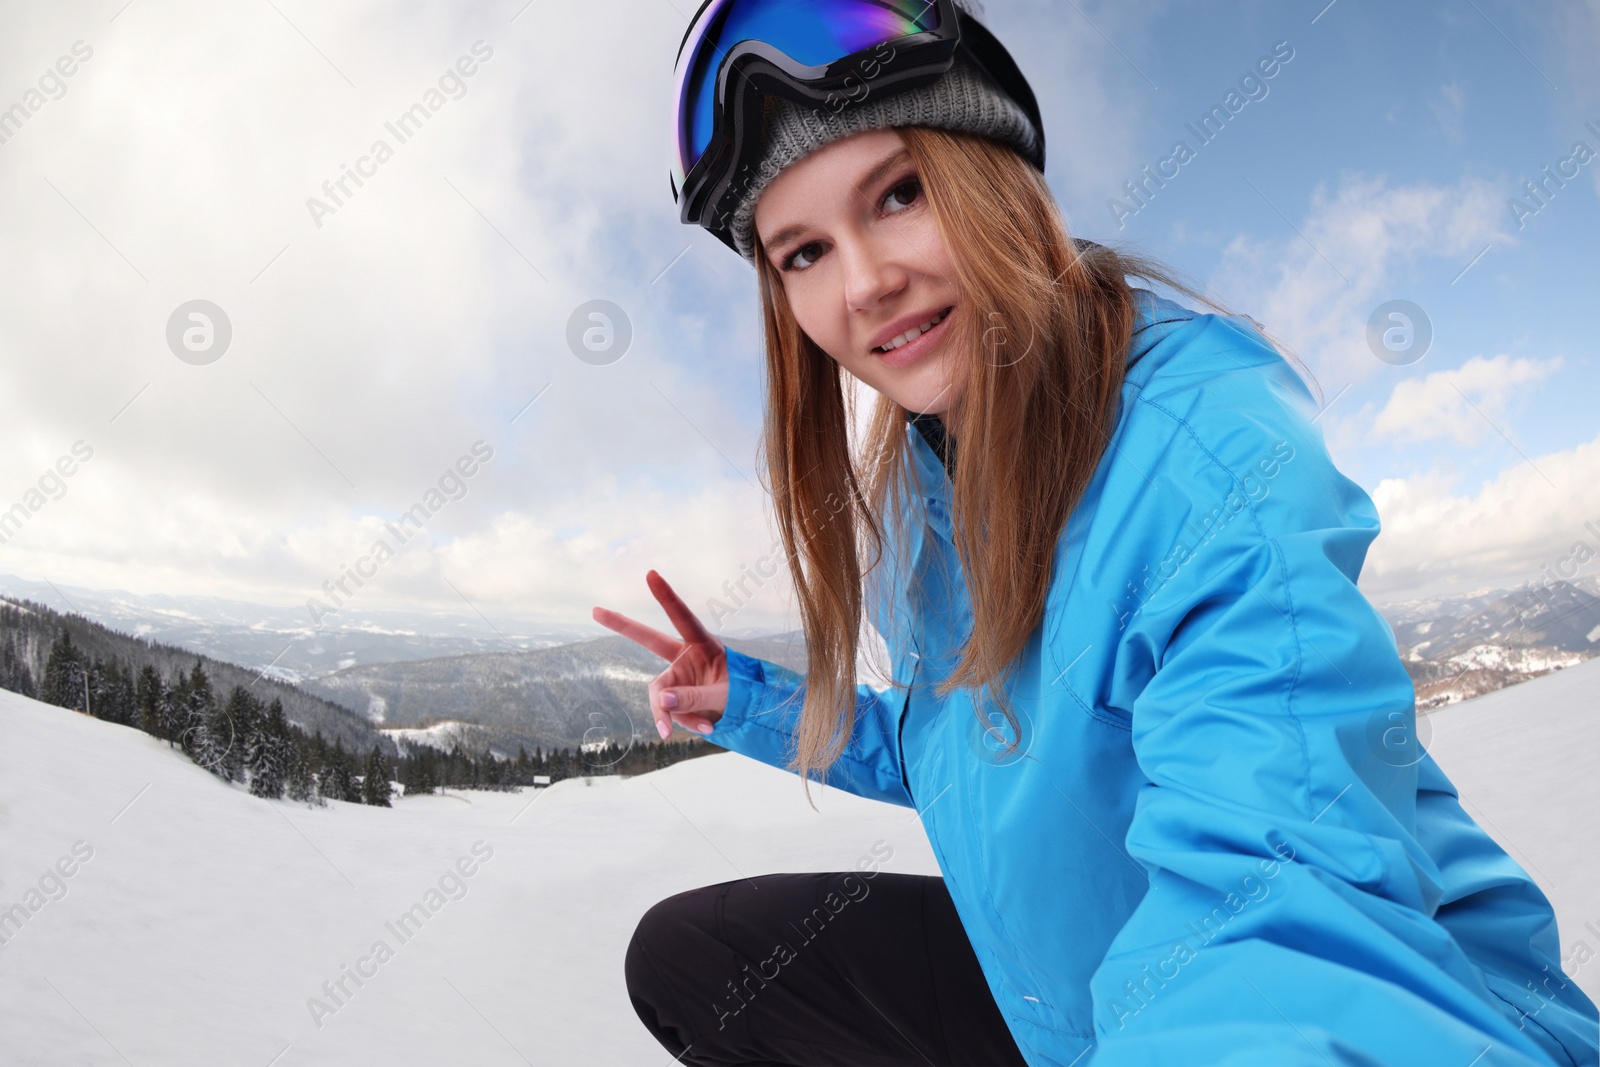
848,967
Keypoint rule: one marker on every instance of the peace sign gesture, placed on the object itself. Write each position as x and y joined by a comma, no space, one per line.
693,690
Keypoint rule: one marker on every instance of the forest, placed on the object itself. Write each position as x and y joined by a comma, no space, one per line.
246,739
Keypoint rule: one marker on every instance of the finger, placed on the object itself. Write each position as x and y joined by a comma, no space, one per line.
681,698
664,645
682,618
662,717
698,723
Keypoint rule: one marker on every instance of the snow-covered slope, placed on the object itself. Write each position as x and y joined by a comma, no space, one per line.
204,919
1526,761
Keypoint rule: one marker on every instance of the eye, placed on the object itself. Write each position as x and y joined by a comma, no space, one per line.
899,197
903,194
802,257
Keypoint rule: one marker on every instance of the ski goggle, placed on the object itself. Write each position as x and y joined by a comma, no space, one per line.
825,54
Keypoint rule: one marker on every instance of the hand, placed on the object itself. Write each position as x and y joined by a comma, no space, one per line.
693,690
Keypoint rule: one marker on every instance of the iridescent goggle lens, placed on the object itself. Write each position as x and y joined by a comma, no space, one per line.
813,33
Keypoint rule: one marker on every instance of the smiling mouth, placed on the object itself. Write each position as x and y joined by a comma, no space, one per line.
913,333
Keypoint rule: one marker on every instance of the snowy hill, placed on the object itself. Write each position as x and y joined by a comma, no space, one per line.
545,698
1456,648
1524,761
198,921
204,918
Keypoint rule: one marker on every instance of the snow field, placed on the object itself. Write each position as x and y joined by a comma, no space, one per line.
207,920
201,925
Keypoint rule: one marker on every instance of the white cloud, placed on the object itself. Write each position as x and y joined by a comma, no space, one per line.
375,348
1436,540
508,554
1316,294
1316,289
1453,404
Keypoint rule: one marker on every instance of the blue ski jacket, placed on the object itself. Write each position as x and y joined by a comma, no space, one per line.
1218,841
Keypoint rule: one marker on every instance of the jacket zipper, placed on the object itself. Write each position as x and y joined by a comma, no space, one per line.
900,732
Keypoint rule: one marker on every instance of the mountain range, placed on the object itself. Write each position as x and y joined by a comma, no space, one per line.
1461,647
439,679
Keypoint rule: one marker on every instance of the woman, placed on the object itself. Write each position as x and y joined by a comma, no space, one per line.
1158,739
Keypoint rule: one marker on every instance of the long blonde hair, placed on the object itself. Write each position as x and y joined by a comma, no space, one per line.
1049,329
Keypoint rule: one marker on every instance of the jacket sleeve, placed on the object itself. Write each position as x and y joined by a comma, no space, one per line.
1503,920
764,701
1295,914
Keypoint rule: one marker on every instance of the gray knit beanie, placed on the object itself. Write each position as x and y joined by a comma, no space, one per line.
963,99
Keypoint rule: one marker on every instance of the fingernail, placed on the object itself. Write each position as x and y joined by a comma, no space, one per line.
704,728
669,699
663,729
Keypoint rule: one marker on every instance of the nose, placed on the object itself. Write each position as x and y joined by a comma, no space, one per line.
872,272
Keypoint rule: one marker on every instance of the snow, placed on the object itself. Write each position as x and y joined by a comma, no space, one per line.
442,736
281,674
1523,760
174,613
205,918
618,673
1522,660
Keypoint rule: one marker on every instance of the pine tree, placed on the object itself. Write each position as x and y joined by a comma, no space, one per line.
111,686
268,752
175,713
148,698
100,688
338,777
453,770
125,693
238,721
317,750
375,787
206,732
64,674
408,769
14,672
300,781
421,771
353,772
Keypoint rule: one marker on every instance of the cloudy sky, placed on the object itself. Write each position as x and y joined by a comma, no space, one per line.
377,336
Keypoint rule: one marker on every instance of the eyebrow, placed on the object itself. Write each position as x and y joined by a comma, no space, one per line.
878,170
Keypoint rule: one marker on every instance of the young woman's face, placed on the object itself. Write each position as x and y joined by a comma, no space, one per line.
863,265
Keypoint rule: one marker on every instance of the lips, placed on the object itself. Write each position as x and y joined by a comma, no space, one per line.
907,330
926,336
